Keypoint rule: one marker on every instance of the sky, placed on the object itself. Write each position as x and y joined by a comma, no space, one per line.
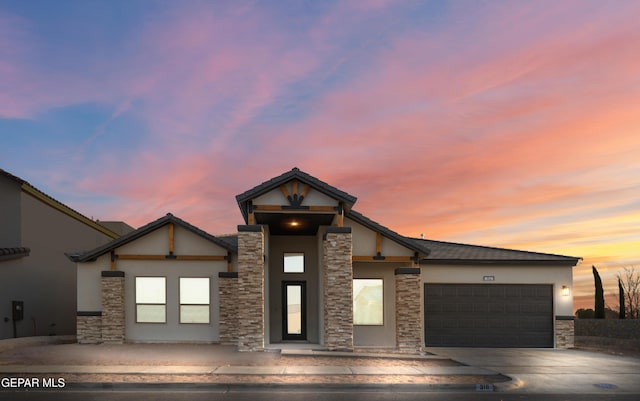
503,123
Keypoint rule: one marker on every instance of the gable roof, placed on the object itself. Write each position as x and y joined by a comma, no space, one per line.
392,235
61,207
144,230
454,253
299,175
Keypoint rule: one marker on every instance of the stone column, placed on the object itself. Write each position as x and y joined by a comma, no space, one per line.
565,331
89,327
408,319
228,296
113,306
338,289
250,288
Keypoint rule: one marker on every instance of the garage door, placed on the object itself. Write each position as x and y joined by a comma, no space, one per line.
488,315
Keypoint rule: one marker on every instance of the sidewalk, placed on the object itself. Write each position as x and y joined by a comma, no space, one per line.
218,364
525,370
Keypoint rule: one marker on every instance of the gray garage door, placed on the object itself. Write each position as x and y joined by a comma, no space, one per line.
488,315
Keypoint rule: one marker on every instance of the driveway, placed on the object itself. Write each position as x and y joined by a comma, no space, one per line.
560,371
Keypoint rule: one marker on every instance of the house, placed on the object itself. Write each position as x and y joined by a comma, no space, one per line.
37,281
306,267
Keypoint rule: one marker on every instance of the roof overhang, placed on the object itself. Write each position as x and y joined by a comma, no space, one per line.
13,253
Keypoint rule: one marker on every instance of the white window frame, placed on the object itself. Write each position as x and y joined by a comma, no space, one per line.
364,322
140,302
292,254
196,304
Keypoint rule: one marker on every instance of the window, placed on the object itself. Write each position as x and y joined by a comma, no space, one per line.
194,300
151,300
294,262
367,302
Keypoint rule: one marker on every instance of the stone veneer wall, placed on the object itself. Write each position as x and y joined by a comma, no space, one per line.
89,328
113,322
228,296
408,319
564,332
251,285
338,289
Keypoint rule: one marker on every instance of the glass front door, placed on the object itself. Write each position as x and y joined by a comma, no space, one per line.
294,311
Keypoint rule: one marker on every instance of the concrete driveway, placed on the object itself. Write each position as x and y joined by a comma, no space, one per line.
560,371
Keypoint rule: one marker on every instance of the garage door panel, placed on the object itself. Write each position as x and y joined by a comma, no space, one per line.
479,291
496,308
488,315
496,291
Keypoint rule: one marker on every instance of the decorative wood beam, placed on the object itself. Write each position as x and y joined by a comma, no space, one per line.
285,191
251,218
294,187
279,208
171,257
229,262
114,261
331,209
382,258
268,208
201,257
378,244
305,191
141,257
171,238
340,221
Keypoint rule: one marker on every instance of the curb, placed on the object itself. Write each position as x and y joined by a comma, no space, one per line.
244,387
514,384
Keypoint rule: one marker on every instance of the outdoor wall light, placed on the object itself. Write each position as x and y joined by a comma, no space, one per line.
565,290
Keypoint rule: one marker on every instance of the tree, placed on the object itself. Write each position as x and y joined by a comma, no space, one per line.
629,279
621,299
584,313
599,306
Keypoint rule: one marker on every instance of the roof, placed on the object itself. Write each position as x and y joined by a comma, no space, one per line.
299,175
454,253
48,200
13,253
144,230
402,240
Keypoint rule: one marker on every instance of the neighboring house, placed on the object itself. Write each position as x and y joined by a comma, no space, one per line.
36,278
307,267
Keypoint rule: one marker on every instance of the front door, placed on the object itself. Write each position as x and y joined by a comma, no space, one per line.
294,310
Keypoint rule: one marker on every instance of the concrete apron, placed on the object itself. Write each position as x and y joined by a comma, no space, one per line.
548,370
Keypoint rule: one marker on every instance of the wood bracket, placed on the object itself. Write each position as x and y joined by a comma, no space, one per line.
171,238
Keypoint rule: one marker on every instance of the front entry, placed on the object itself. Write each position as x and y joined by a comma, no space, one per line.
294,311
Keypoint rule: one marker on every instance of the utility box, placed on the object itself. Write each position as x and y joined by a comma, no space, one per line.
18,310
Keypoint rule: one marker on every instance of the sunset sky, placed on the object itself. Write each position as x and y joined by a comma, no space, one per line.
503,123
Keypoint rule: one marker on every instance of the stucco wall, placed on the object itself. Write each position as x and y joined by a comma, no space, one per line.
364,242
46,279
378,336
555,275
156,243
10,232
172,330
